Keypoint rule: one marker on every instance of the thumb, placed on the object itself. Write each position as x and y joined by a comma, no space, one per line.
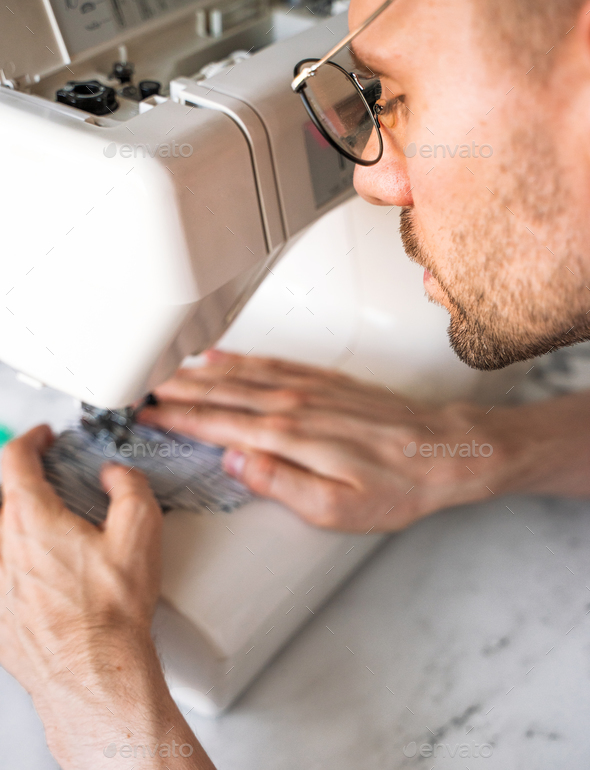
315,498
134,518
24,482
22,465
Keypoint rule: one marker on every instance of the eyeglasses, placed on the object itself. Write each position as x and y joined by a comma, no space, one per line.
344,110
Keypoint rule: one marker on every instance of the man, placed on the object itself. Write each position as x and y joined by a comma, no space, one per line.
504,243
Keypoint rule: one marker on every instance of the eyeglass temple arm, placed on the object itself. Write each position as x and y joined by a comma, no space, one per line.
308,71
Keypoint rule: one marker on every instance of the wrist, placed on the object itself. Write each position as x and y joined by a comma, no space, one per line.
548,447
510,434
492,452
538,448
116,698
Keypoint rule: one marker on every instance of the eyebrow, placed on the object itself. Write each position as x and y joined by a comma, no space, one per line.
360,62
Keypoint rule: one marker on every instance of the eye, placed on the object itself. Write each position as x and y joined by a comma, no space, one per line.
388,111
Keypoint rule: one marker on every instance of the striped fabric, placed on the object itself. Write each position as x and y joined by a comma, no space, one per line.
182,473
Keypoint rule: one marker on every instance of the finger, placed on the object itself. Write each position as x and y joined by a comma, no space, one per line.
134,517
318,500
31,500
234,394
209,423
367,402
267,371
226,393
265,377
24,478
222,358
21,462
283,435
199,421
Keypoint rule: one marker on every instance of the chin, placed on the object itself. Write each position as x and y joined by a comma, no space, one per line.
489,349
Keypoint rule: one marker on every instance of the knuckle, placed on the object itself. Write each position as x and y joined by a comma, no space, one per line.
14,499
329,510
280,423
239,367
135,498
209,390
20,504
262,474
291,398
275,364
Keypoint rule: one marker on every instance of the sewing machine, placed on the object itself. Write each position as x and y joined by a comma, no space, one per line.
155,166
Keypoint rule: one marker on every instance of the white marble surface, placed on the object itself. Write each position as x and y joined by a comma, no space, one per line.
477,622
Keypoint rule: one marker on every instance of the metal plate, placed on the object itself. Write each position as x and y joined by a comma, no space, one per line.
30,41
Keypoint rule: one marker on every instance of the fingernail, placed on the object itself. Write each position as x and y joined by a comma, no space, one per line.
214,355
233,462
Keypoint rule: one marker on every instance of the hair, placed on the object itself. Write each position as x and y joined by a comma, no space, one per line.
527,31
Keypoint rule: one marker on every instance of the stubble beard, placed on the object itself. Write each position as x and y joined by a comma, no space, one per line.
509,295
491,332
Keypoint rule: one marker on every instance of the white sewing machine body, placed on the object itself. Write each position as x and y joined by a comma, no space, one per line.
135,237
133,240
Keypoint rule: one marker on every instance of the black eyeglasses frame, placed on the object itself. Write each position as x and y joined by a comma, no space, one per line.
300,89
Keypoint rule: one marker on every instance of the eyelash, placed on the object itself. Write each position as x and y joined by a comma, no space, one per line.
392,104
387,110
372,78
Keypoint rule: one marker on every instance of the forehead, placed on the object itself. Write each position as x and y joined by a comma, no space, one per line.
409,31
359,10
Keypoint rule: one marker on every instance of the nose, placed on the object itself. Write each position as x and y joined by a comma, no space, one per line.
387,183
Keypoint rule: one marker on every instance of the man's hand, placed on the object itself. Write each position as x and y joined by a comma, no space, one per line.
76,613
99,583
341,453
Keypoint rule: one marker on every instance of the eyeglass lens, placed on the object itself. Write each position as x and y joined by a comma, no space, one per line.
342,112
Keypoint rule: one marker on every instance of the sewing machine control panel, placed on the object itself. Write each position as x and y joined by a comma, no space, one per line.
106,56
87,23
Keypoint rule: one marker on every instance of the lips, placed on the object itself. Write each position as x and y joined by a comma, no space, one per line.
435,290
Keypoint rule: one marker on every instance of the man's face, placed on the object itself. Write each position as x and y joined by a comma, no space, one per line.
490,170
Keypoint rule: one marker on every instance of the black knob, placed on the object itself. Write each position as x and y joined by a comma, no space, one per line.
123,71
149,88
130,92
89,95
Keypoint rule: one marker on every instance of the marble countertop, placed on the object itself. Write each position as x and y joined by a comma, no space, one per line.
463,643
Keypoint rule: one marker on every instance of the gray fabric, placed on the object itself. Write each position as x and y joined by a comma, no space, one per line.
564,371
182,473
